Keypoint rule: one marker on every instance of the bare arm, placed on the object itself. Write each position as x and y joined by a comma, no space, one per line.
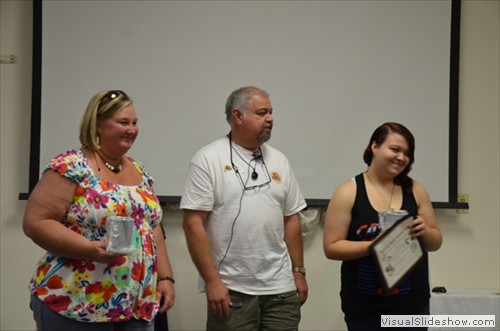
425,225
46,208
293,239
337,221
165,287
218,300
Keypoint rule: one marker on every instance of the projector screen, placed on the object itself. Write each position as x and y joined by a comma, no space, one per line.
335,70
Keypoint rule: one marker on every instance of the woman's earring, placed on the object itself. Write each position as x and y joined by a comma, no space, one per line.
98,140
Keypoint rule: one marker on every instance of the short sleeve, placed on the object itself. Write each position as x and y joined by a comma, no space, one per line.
295,201
198,191
70,164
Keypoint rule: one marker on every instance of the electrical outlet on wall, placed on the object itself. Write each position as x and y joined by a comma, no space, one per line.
463,198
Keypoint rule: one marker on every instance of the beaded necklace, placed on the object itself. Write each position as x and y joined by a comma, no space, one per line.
114,169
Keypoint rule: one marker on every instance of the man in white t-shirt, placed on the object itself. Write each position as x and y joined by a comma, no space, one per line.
241,203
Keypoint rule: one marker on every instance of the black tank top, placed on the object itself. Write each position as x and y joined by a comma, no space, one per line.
361,292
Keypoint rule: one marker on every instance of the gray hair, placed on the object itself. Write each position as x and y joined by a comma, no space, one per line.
240,100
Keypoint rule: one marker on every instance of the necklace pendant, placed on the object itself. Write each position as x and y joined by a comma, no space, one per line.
115,170
255,175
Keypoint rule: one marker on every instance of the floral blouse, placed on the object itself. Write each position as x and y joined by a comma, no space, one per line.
89,291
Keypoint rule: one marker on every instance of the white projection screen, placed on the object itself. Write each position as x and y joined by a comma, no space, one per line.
335,70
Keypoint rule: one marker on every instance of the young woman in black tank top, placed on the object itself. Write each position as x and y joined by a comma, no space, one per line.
352,224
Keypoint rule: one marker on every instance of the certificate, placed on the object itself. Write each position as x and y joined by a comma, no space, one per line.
396,253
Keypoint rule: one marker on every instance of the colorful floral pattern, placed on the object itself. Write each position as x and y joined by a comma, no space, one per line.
89,291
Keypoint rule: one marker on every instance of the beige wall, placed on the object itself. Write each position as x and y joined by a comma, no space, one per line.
470,254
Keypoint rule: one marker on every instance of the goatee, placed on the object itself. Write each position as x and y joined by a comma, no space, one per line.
264,137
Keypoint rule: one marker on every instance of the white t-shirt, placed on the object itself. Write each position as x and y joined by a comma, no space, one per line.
245,227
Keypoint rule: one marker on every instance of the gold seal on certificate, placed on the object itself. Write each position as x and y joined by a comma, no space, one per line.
395,253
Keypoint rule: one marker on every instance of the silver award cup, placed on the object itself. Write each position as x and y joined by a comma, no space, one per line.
387,218
120,234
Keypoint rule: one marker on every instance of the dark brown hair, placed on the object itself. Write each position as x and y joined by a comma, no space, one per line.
379,136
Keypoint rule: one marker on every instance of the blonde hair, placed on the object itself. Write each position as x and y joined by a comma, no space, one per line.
102,106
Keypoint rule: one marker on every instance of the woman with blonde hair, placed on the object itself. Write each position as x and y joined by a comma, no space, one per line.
80,284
